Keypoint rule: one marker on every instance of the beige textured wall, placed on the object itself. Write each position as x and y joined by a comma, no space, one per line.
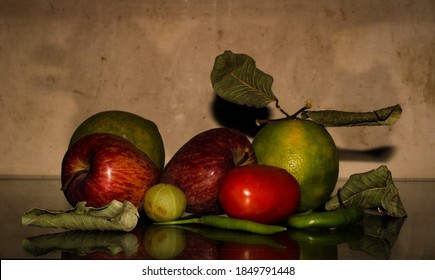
61,61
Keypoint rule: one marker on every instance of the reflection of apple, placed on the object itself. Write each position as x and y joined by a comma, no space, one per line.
143,133
199,166
102,167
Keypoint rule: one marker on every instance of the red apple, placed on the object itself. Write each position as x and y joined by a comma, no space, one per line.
142,132
199,166
102,167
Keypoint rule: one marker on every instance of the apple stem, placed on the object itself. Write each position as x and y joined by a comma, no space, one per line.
244,158
307,106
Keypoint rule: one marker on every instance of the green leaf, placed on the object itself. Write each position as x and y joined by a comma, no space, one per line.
114,216
330,118
82,243
371,189
236,78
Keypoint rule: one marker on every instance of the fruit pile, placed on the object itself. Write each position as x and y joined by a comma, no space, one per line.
215,172
282,178
291,166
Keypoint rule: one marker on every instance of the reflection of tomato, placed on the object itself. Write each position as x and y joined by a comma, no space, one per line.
260,193
239,251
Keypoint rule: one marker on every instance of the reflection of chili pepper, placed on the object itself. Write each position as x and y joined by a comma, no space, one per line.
321,243
326,237
232,236
327,219
229,223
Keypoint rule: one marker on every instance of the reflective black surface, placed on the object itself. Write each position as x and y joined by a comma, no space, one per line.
378,237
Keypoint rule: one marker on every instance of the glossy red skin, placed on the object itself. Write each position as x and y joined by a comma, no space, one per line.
260,193
102,167
199,166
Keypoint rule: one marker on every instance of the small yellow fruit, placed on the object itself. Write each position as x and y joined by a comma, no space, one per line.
307,151
164,202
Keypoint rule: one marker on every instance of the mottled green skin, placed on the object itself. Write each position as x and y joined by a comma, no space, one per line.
143,133
307,151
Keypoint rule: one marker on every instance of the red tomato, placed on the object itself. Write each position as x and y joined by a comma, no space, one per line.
260,193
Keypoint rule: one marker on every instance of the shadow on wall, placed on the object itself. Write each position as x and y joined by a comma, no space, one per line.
236,116
381,154
243,118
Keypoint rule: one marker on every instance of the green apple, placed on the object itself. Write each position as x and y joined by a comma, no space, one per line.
143,133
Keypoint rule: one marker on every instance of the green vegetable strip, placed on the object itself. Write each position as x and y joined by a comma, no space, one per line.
229,223
239,224
328,219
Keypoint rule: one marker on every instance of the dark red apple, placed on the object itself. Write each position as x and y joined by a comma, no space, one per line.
199,166
102,167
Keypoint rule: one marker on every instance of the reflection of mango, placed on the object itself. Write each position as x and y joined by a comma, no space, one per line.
164,242
322,244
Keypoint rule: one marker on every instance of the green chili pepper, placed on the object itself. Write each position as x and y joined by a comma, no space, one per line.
327,219
229,223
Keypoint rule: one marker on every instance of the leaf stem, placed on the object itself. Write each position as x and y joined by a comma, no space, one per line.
287,116
281,110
